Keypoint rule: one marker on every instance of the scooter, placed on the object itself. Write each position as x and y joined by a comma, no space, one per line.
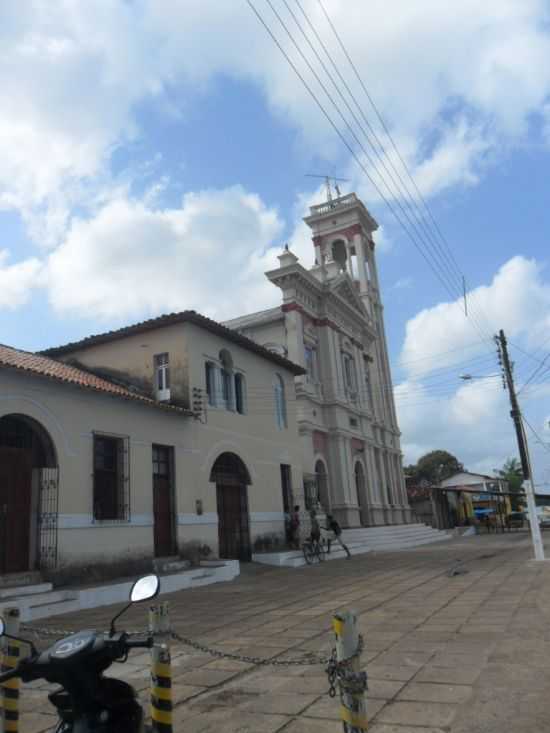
88,702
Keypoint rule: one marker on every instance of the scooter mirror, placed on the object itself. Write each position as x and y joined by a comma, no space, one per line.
145,588
2,626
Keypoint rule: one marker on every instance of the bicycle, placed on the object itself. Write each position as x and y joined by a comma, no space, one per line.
314,549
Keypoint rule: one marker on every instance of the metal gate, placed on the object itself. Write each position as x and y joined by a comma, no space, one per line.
48,505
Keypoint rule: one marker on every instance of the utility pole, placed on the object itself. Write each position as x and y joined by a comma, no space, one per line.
522,446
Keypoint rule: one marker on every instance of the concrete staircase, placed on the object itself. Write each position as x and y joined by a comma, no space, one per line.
39,600
361,540
393,537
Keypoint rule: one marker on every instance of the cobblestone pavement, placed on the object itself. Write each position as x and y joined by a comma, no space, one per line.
463,653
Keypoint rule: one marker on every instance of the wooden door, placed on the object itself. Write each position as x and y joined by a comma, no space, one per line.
233,525
15,508
163,501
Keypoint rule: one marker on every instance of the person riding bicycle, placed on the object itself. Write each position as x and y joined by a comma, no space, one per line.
336,534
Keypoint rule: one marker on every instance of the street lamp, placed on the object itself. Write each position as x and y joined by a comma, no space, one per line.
468,377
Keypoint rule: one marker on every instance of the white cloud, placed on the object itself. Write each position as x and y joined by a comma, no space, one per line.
131,259
518,300
73,75
471,419
17,281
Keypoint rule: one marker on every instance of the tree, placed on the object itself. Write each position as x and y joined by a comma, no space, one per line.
437,466
512,472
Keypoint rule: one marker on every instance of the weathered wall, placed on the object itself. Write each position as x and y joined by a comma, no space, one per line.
71,415
131,359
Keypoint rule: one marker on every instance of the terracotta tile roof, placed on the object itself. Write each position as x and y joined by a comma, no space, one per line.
43,366
170,319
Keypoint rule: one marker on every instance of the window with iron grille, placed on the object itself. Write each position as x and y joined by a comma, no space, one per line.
111,478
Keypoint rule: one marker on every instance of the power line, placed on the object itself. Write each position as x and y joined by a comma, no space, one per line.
537,436
537,370
353,153
446,246
442,277
400,185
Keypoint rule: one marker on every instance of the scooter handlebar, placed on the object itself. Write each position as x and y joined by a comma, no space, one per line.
139,643
5,676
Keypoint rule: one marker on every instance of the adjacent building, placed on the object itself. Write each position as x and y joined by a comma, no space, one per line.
136,442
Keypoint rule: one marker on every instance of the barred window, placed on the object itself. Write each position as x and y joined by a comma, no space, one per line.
111,478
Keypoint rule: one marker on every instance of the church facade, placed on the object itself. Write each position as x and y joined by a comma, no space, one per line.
331,323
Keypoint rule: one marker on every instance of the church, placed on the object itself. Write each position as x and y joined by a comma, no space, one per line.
180,432
331,323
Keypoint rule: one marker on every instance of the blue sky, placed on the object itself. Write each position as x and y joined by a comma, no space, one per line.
153,157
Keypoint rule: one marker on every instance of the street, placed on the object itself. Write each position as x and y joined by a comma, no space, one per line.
467,652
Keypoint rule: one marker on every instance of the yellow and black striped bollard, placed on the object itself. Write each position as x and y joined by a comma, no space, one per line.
11,652
161,670
352,681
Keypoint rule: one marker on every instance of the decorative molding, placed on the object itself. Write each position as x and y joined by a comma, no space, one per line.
86,521
267,516
194,519
350,231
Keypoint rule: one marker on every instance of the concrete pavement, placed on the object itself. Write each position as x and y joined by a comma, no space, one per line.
462,653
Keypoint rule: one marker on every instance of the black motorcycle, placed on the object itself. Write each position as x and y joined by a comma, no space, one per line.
88,702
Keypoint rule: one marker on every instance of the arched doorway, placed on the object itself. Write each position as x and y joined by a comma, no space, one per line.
232,478
322,484
28,495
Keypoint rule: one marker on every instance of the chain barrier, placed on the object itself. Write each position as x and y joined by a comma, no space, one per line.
337,672
309,659
341,673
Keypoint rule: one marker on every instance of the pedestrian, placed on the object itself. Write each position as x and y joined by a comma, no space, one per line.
336,534
295,527
315,532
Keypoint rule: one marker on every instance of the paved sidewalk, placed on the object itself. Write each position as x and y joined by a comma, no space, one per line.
455,654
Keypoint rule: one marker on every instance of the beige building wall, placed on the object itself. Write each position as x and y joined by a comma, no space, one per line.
131,359
71,416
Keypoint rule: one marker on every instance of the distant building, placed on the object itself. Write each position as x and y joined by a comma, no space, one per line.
331,323
477,482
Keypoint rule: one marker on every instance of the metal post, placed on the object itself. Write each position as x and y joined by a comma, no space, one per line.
353,708
515,413
161,669
11,651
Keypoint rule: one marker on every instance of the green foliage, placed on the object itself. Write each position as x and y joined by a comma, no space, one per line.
512,472
435,467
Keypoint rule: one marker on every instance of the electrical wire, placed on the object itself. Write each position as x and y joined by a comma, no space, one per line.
412,237
378,150
445,244
442,275
537,436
